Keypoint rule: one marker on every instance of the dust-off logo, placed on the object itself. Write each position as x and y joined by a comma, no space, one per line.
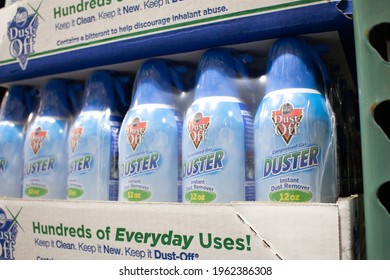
8,233
22,31
197,128
36,139
75,135
287,121
135,131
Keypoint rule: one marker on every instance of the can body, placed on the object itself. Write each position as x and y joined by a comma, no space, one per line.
295,148
217,151
45,155
93,156
150,153
11,159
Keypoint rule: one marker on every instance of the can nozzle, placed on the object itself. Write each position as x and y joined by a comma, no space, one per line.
158,81
292,64
106,89
18,103
218,72
58,98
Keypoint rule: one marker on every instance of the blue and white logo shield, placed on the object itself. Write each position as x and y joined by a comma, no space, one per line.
8,233
21,34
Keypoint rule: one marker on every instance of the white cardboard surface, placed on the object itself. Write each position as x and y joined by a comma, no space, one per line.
35,28
113,230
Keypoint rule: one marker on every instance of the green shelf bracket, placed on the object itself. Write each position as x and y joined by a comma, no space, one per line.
373,71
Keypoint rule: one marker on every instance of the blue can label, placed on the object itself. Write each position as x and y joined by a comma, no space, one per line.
11,158
218,152
149,144
93,157
295,150
45,157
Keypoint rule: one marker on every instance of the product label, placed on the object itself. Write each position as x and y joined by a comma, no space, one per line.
206,163
149,154
77,164
12,137
137,191
291,188
35,190
90,143
202,162
281,186
141,164
40,165
199,192
291,162
80,164
287,121
75,191
218,154
45,158
292,138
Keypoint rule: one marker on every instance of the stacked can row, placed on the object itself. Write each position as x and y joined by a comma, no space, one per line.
216,150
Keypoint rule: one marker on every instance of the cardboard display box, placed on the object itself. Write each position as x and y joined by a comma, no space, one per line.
49,229
43,38
36,229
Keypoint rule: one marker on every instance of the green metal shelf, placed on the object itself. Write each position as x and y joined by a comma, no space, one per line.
374,88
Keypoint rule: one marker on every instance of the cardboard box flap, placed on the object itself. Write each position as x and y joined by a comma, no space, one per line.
37,229
295,231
